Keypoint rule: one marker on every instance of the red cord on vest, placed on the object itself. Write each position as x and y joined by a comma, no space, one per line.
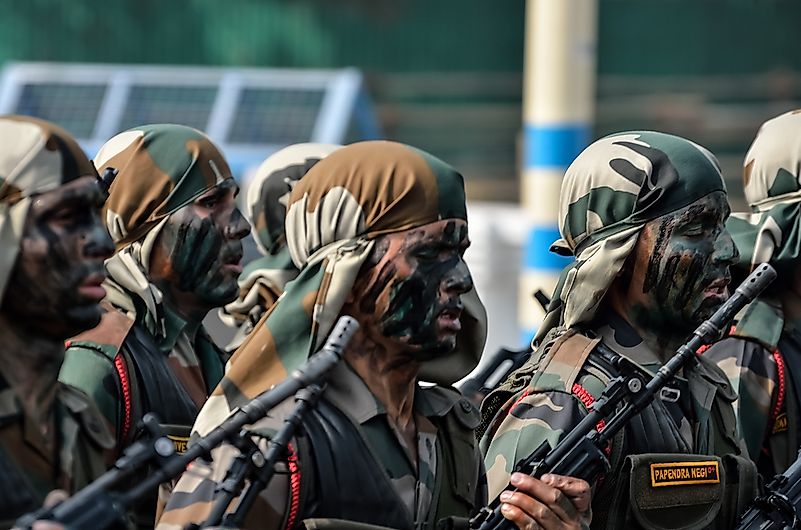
587,399
521,398
119,364
780,399
294,486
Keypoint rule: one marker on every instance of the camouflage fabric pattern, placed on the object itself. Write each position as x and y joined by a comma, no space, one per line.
554,401
609,192
771,232
262,281
415,485
356,193
37,156
161,169
28,472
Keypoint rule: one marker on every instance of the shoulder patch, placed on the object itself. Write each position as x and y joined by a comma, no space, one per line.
87,414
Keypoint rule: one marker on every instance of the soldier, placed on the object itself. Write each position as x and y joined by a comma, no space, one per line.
51,267
172,214
763,359
377,230
262,281
644,214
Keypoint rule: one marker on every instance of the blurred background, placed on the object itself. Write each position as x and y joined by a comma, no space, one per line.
443,75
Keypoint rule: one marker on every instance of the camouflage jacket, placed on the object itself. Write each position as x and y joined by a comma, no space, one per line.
371,479
129,371
552,393
762,359
28,471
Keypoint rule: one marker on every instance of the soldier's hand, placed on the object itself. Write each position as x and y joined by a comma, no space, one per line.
197,246
53,498
553,503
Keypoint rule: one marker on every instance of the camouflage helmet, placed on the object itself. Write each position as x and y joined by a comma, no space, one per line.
36,156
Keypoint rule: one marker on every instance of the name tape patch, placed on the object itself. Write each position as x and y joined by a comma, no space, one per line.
179,442
684,473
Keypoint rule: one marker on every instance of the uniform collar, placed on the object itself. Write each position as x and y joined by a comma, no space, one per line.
347,391
705,378
174,326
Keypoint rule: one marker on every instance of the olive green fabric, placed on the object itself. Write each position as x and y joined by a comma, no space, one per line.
609,192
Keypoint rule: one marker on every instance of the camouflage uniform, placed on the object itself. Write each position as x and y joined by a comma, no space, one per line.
610,191
39,157
144,357
263,279
763,359
351,464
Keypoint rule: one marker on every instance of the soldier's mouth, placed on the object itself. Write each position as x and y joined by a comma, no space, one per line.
92,287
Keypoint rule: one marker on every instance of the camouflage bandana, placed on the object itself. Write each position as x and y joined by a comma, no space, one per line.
355,194
772,232
265,205
612,189
772,180
36,156
161,169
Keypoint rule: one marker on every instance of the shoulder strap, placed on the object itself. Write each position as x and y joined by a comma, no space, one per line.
108,338
561,366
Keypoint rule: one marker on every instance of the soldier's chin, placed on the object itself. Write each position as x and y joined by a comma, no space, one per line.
76,320
436,350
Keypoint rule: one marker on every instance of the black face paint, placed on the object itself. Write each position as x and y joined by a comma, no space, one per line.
202,242
416,279
54,288
687,255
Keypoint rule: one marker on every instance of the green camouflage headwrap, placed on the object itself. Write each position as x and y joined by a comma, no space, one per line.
772,180
161,169
772,232
609,192
335,212
265,207
35,157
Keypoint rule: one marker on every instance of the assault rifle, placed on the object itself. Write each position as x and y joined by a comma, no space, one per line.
780,507
580,453
100,505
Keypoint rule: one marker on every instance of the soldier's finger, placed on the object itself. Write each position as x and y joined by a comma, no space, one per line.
520,518
55,497
575,489
555,502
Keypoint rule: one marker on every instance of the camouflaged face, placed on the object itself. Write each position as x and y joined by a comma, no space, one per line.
609,192
772,180
356,193
36,156
161,168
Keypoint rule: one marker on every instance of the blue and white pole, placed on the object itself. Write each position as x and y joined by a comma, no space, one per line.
558,110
